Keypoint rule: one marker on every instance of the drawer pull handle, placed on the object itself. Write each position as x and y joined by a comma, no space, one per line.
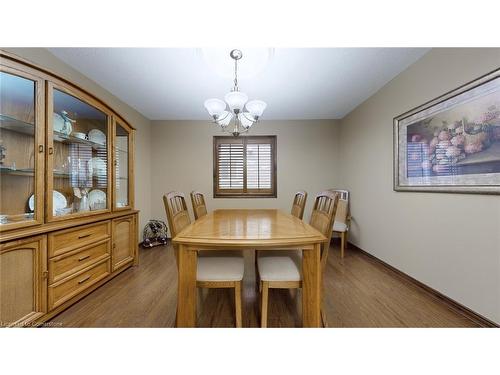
83,280
83,258
84,235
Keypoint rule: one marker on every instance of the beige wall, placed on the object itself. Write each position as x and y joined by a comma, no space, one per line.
45,59
450,242
182,157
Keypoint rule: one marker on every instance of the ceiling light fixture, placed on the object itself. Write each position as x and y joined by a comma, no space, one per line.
236,106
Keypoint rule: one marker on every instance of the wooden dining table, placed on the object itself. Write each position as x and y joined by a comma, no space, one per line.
249,230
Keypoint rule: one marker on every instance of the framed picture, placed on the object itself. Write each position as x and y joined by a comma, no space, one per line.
452,143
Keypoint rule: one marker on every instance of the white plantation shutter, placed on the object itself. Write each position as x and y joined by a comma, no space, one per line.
259,166
230,166
245,166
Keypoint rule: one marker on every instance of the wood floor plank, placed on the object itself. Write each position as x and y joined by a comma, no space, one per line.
359,292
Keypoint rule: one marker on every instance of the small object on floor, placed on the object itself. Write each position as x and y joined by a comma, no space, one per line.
2,152
154,234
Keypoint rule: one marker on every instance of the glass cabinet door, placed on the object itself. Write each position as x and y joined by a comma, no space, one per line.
21,149
122,170
78,182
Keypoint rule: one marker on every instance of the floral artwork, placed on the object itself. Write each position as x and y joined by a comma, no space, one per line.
453,143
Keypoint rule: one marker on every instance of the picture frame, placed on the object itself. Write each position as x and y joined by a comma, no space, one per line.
451,144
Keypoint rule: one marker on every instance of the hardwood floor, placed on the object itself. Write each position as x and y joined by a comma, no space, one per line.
359,292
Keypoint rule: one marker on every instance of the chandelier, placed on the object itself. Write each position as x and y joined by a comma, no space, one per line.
236,114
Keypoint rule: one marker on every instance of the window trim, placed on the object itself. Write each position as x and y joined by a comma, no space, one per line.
245,193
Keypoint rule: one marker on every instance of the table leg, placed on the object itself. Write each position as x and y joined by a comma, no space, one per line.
186,292
311,286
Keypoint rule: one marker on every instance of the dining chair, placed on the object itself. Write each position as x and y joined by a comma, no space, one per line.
299,203
214,269
283,268
342,219
199,207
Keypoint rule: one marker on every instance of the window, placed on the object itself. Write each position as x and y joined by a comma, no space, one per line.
245,166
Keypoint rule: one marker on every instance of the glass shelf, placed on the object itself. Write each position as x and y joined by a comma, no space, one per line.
18,126
17,172
11,219
15,125
31,172
70,139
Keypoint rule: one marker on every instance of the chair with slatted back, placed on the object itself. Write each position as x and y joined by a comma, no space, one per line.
342,219
214,269
299,203
199,207
283,268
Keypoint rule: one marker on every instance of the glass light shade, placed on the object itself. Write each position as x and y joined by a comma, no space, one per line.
215,107
236,100
256,107
225,118
245,119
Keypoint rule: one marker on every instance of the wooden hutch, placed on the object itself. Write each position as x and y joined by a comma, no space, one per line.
67,218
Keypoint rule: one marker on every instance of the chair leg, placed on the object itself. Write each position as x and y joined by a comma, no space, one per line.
324,322
342,243
265,296
237,303
322,311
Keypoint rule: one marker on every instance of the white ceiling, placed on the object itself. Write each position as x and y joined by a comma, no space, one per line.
296,83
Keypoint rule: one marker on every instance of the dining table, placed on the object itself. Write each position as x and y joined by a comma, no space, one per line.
249,230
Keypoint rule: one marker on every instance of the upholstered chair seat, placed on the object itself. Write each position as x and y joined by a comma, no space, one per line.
220,268
339,227
280,265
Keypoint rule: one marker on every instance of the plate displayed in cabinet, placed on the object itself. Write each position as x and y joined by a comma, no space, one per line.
59,202
97,199
97,136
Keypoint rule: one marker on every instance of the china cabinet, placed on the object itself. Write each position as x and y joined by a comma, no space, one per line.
67,217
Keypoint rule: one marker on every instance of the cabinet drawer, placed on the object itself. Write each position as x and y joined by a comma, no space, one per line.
67,289
70,263
71,239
